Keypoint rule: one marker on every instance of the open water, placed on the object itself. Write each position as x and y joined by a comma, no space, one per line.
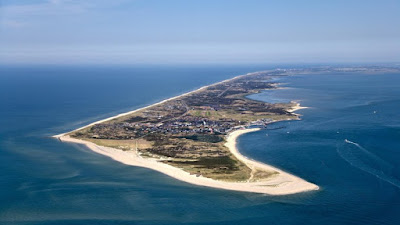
348,143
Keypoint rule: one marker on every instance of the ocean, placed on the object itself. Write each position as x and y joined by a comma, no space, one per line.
347,143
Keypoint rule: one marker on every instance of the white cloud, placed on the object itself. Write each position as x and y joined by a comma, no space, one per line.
22,15
54,8
51,7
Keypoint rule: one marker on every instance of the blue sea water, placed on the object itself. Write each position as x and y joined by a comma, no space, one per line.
347,142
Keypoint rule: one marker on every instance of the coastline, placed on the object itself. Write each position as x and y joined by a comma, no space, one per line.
145,107
296,107
281,183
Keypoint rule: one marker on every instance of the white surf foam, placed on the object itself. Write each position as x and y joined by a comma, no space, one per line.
368,162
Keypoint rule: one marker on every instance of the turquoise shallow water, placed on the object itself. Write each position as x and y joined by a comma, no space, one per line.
44,181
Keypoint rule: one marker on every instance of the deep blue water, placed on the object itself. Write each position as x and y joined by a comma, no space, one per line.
43,181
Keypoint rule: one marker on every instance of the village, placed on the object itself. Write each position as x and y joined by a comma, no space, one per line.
189,132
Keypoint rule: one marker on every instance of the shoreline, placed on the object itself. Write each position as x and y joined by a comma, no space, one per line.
297,107
282,183
148,106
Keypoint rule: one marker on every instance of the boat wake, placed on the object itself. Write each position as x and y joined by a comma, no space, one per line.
362,159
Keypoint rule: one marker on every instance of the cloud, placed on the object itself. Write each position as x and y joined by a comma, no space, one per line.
30,13
51,7
55,8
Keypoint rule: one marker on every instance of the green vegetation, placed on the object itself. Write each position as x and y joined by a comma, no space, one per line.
188,131
204,138
220,168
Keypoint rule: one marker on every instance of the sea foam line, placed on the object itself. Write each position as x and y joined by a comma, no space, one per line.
359,163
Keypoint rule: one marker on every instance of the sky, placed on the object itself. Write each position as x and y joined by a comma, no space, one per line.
199,31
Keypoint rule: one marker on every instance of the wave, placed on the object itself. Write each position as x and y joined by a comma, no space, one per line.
368,162
380,161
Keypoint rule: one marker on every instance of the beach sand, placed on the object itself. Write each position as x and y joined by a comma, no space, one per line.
278,184
158,103
296,107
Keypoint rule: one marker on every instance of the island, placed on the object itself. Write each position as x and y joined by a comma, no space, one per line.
192,137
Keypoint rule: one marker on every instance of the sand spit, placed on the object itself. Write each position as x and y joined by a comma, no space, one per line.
280,184
296,107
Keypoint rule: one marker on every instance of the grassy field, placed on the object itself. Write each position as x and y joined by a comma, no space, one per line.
188,132
126,145
225,168
244,116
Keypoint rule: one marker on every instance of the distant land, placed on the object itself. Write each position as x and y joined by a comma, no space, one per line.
192,137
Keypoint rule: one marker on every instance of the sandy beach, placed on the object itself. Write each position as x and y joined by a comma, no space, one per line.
158,103
281,183
296,107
